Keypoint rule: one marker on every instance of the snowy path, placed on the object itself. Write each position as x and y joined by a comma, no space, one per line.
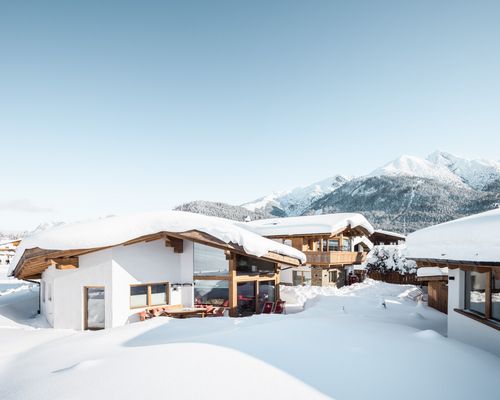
344,345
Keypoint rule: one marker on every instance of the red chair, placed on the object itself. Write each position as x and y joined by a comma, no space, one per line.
280,307
267,308
226,303
143,315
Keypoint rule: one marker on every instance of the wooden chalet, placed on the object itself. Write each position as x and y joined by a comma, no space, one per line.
332,243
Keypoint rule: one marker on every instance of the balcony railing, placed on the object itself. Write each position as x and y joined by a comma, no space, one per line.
334,257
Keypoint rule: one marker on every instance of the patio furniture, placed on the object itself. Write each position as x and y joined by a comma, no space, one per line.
280,307
186,312
219,312
267,308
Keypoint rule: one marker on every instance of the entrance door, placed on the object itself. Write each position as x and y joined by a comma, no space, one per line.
94,308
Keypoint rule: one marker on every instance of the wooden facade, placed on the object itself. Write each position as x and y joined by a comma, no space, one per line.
328,254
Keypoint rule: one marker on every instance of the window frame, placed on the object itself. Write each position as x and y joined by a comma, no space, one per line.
487,317
148,294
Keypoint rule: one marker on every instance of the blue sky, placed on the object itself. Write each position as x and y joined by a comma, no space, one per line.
133,106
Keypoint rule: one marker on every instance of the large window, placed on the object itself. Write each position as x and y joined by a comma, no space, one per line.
153,294
475,288
253,266
495,295
267,292
211,292
209,261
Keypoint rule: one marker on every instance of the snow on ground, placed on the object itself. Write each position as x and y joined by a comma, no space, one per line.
345,344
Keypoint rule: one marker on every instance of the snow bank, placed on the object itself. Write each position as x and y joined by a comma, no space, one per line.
115,230
343,337
474,238
325,223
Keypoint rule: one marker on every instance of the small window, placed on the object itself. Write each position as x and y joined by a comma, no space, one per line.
333,275
154,294
158,294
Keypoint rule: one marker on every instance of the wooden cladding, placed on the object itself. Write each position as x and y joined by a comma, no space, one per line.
334,257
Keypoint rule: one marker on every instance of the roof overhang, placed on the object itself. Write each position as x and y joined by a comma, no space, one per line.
454,264
34,261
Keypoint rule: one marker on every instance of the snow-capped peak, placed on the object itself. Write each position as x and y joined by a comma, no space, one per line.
476,173
295,201
414,166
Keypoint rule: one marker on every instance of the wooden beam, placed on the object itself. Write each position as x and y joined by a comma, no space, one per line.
176,243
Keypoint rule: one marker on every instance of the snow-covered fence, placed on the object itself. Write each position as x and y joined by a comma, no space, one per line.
394,277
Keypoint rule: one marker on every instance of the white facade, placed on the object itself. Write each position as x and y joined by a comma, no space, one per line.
463,328
116,269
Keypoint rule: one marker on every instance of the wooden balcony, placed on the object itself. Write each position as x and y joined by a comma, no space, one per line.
334,257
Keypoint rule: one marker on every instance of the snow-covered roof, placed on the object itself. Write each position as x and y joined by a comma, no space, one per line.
431,272
389,233
310,224
115,230
362,239
471,239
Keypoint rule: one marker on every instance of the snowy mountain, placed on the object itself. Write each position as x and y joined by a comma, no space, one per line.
419,168
296,201
478,174
223,210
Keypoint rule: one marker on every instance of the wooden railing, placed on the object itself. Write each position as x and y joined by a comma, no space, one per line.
334,257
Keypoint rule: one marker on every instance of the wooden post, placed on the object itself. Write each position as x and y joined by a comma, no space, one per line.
233,288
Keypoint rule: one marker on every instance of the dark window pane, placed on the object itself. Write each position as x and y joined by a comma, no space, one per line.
253,266
139,296
211,292
246,298
475,286
267,292
158,294
209,261
495,295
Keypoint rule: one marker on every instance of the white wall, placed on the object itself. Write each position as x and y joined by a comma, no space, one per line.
463,328
66,308
150,262
116,269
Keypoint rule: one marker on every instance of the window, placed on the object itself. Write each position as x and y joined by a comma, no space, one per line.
332,276
249,266
158,294
209,261
495,295
333,245
346,244
154,294
475,288
212,292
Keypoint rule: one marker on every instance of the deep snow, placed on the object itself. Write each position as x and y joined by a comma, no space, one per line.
345,344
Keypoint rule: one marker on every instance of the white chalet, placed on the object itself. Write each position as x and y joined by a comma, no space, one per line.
102,273
470,249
